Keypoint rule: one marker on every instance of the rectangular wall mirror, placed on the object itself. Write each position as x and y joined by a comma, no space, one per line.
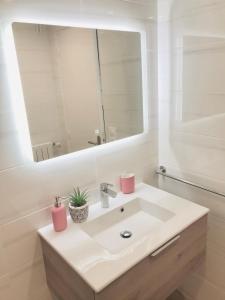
82,87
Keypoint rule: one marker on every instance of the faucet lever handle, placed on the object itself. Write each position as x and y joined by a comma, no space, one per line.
104,186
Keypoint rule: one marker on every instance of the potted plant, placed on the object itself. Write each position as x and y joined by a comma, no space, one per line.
78,205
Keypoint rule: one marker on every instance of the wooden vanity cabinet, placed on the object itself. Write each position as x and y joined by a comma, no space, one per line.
155,277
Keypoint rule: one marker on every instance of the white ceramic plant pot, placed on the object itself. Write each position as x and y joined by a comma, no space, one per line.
79,214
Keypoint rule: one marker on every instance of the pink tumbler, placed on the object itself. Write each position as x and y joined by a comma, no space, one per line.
127,183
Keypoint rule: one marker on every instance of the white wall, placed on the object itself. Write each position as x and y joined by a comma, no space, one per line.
191,132
26,188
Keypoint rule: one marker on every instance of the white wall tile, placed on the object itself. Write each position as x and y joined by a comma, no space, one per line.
20,241
29,282
128,9
118,162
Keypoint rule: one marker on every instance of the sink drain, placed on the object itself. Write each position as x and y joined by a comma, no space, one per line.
126,234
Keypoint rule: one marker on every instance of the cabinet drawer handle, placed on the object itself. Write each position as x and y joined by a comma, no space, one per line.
155,253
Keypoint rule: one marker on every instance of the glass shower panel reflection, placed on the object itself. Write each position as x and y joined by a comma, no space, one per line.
121,83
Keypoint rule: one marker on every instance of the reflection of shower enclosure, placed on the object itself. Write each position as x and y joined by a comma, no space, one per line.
104,137
119,57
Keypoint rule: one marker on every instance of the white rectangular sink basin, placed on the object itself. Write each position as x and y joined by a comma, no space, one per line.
136,218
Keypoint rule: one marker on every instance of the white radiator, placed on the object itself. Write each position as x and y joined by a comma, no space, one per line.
43,151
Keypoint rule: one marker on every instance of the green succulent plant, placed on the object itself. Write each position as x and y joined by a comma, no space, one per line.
78,198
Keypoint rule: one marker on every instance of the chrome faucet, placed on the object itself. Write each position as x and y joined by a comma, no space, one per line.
105,193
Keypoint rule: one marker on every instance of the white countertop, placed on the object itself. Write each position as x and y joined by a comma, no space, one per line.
96,265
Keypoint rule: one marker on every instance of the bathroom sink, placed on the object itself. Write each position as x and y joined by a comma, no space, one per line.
114,240
127,224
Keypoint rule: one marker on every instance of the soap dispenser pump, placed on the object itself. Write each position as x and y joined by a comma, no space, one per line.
59,216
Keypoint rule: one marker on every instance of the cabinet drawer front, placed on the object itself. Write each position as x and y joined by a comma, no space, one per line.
161,272
62,279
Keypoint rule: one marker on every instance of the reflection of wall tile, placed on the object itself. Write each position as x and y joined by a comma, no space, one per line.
77,53
121,102
40,88
33,61
41,92
126,122
125,80
126,45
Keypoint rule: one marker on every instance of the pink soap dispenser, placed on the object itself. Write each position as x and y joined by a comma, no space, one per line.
59,217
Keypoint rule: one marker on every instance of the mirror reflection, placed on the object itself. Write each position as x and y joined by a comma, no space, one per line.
82,87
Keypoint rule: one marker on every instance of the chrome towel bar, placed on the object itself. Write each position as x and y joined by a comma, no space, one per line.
163,172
